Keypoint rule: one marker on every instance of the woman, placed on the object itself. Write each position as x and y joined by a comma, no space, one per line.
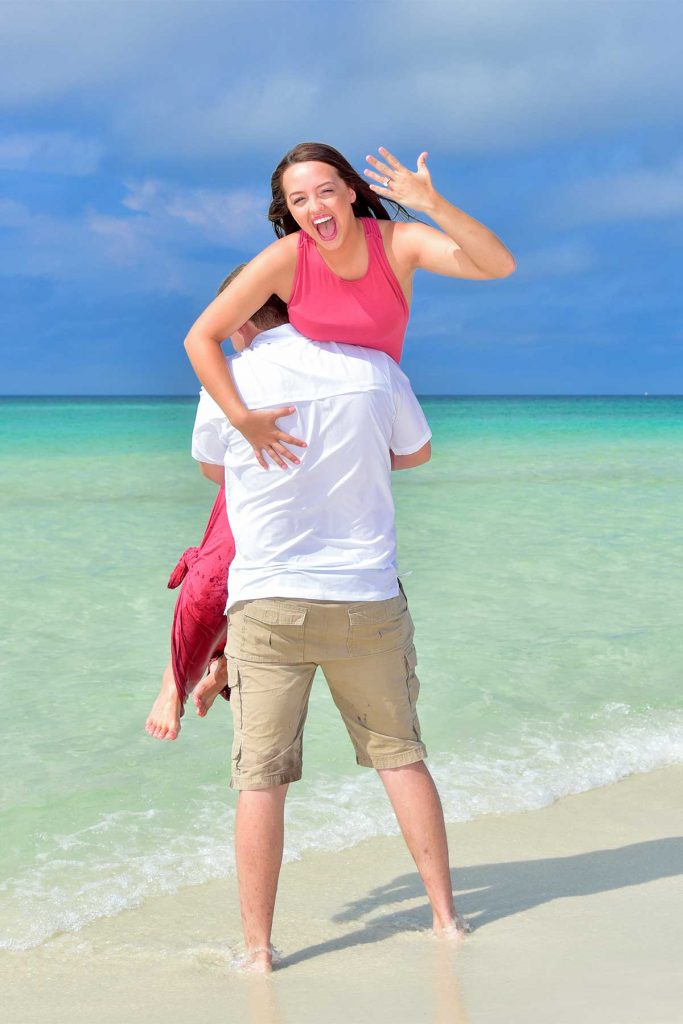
343,267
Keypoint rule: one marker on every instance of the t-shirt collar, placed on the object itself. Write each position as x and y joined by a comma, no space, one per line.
284,332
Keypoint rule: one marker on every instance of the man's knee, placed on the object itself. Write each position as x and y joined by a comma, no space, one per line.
414,768
264,795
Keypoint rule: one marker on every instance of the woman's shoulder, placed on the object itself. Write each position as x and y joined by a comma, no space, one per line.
398,240
397,229
279,253
406,239
395,232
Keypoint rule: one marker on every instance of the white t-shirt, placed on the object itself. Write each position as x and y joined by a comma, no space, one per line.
324,529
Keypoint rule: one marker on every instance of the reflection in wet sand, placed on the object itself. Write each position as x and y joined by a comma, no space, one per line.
262,1000
435,975
449,1008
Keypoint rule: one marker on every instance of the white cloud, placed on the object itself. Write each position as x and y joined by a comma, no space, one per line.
49,153
636,194
198,80
220,217
155,243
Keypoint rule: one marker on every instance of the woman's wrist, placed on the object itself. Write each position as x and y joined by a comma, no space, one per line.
438,206
238,416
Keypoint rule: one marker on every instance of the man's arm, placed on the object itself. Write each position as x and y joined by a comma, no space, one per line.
212,472
409,443
417,458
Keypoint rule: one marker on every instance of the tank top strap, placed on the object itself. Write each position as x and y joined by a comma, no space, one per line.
376,244
371,227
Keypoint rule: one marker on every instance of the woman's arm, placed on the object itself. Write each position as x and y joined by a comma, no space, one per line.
463,248
272,271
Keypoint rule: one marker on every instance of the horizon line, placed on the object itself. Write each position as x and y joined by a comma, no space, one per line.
489,394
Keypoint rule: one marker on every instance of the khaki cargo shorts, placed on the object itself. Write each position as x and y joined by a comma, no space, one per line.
366,652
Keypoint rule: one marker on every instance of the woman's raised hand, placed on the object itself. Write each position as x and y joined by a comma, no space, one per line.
410,188
266,438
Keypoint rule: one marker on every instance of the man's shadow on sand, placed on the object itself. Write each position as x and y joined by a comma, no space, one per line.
490,892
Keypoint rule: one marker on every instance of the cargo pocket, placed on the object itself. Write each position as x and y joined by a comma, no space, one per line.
273,632
237,712
377,627
412,686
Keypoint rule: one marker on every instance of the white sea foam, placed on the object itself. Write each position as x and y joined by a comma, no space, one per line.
126,857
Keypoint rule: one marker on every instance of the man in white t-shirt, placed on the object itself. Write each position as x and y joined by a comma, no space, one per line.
314,584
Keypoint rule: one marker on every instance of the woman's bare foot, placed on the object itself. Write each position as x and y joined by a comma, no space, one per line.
163,722
206,692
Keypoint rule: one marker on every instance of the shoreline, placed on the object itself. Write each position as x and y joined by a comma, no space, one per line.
573,907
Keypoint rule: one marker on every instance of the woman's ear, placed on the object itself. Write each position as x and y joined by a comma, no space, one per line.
352,195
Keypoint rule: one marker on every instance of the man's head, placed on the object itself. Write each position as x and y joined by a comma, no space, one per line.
272,313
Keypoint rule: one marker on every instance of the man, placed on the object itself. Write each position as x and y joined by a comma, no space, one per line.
313,583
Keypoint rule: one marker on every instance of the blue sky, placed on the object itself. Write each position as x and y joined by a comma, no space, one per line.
138,140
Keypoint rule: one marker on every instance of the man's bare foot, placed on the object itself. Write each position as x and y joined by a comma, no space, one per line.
256,961
163,722
456,929
206,692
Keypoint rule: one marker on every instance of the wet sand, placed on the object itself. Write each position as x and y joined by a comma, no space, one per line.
576,909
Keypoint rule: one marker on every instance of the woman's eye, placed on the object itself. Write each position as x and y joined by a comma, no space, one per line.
296,202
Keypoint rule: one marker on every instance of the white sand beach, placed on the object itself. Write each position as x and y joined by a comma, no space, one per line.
576,909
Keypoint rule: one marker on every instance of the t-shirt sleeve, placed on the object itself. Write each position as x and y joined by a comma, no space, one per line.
410,429
209,440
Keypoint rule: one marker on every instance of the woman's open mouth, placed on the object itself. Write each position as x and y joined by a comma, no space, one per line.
326,227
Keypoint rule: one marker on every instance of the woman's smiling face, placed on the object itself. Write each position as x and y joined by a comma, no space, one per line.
319,201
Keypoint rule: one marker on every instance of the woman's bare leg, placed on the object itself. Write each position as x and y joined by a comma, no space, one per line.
163,721
205,693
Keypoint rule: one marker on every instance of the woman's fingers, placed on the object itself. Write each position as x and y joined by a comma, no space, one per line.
267,439
272,453
279,434
276,457
382,178
382,168
395,164
289,439
259,458
285,453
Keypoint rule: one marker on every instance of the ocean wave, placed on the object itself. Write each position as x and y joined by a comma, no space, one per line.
127,857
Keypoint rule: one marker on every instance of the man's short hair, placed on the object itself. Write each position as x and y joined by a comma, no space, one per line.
272,313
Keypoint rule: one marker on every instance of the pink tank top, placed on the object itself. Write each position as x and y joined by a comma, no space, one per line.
371,311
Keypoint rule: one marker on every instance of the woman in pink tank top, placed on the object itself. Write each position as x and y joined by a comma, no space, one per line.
343,267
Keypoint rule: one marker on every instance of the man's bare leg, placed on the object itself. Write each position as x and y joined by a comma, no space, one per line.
163,721
206,692
259,841
418,809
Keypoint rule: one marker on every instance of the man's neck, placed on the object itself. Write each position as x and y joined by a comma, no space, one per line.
263,335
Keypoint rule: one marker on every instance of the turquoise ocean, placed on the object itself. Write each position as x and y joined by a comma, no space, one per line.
541,549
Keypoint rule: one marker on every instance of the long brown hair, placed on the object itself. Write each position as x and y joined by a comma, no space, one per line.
367,202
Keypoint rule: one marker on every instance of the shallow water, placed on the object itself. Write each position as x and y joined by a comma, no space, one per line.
543,545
